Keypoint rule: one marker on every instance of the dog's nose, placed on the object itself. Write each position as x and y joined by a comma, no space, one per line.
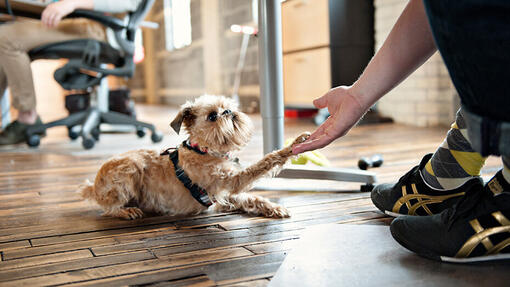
227,112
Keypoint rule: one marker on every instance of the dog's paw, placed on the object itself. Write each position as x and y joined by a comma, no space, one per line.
303,137
130,213
278,212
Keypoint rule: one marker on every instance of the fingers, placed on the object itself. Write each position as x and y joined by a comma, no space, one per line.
324,135
321,102
317,143
53,14
50,18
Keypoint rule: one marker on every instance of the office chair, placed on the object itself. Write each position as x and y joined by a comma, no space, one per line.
87,68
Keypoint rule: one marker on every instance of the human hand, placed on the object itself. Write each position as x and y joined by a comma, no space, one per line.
345,109
54,12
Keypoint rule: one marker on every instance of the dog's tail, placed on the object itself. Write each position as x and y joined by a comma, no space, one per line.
86,190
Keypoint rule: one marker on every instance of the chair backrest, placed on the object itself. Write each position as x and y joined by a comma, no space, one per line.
137,16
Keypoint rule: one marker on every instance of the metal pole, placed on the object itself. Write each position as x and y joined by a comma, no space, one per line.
270,73
5,109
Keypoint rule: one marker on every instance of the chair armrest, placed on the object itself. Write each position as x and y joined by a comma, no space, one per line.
108,21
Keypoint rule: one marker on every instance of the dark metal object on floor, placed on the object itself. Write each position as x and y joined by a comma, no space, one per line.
374,161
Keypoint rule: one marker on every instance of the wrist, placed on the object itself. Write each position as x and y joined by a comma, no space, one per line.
364,95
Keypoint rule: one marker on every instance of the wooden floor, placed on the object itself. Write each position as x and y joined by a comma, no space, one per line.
48,236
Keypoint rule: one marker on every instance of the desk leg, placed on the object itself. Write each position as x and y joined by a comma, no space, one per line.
5,109
270,73
271,98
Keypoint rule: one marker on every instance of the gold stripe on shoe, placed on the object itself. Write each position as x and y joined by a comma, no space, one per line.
423,200
482,236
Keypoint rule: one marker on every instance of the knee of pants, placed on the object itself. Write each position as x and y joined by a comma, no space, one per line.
7,40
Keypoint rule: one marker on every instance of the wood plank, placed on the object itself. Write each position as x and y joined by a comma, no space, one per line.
221,271
198,281
72,265
14,245
132,268
43,259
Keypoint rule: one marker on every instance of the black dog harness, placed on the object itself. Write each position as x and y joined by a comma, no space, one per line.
198,193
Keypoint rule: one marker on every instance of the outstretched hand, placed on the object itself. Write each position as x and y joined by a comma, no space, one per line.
345,110
54,12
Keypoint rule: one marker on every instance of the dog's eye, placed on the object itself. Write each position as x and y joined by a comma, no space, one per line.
213,116
226,112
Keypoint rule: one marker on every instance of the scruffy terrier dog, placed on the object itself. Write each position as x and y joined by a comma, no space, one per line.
195,175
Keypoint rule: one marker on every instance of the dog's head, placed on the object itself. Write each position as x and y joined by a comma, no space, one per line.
214,122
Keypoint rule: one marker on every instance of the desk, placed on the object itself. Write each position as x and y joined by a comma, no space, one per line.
271,99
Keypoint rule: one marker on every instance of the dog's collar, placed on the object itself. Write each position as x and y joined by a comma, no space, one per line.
198,193
194,147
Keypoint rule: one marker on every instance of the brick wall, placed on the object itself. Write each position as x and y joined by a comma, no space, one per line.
427,97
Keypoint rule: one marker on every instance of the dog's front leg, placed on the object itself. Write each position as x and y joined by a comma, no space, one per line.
243,178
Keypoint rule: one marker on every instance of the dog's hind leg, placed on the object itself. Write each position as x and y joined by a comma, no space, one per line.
114,196
251,204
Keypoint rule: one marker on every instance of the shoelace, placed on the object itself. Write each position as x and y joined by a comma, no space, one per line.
407,175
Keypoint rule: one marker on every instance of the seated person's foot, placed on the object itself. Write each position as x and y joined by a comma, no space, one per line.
475,229
14,133
412,196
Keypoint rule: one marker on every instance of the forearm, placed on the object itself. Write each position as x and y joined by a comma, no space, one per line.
81,4
115,6
409,44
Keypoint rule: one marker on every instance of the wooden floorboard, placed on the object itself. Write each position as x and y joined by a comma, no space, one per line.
49,236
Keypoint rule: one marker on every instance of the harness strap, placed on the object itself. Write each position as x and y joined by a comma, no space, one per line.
198,193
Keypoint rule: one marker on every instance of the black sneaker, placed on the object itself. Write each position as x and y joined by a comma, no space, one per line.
14,133
476,229
411,196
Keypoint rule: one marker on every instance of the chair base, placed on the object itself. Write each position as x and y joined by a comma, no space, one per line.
90,120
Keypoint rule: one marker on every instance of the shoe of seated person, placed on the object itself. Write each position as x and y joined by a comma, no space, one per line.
15,132
412,196
476,229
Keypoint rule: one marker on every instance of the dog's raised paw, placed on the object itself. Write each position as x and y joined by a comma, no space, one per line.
303,137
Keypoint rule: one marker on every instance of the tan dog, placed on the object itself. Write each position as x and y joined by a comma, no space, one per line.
198,173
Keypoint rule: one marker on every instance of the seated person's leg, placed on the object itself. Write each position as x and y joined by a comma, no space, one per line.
16,39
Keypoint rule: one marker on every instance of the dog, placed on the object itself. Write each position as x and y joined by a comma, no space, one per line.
196,175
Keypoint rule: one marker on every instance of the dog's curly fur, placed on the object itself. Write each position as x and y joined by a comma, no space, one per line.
141,181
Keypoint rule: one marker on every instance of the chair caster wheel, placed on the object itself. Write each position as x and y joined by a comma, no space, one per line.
72,134
34,140
156,137
366,187
95,133
88,143
140,132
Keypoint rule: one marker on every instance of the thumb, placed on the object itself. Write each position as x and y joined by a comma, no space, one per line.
321,102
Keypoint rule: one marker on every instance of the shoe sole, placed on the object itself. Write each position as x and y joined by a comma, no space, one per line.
447,259
393,214
475,259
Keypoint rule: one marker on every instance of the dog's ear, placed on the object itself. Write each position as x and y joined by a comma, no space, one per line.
185,114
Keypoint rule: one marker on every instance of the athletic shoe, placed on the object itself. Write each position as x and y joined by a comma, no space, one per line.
476,229
14,133
412,196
